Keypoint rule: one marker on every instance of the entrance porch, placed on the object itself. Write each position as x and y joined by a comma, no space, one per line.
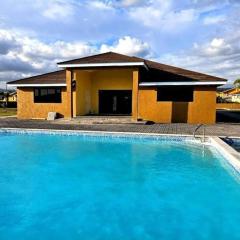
104,92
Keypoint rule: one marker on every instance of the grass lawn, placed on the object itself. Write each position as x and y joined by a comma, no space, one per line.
7,112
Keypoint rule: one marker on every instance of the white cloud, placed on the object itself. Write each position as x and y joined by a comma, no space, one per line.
216,47
207,3
152,13
100,5
111,4
129,46
214,19
7,42
57,9
130,3
32,56
219,56
161,15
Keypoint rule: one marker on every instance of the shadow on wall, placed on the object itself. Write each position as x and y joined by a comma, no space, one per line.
179,112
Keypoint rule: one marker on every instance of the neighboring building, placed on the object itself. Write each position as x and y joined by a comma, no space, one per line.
225,87
231,95
111,83
8,99
1,95
232,91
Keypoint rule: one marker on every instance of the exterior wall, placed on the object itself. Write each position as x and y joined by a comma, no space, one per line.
82,93
27,109
88,84
69,96
135,95
201,110
150,109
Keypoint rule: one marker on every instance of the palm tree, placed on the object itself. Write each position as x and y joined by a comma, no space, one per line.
237,83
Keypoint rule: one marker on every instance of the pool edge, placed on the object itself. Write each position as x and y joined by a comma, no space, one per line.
76,132
230,154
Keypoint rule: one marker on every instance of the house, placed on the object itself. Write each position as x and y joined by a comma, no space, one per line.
1,95
116,84
232,91
9,99
231,95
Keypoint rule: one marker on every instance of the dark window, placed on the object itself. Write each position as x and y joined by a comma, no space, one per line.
47,95
175,94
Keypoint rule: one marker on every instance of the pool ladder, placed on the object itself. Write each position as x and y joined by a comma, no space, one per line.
204,132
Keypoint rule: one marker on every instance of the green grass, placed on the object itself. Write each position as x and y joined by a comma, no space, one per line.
4,112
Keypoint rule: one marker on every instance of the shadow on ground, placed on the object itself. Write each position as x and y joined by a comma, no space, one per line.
226,116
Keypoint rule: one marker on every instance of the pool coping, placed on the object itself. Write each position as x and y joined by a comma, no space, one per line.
99,133
230,154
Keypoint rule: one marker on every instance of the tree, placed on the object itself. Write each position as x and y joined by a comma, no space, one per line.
237,83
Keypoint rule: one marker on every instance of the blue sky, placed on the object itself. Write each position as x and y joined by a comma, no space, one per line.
201,35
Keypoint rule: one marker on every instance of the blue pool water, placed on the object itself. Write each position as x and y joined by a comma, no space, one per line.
73,187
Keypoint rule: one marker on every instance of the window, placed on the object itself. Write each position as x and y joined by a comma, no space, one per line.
175,94
47,95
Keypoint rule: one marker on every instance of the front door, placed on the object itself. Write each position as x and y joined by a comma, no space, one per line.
115,102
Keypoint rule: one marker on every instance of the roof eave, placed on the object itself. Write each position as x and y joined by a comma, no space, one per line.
37,85
88,65
192,83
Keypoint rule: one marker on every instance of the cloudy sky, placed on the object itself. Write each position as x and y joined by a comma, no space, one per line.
202,35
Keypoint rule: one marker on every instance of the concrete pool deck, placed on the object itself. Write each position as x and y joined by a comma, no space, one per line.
221,129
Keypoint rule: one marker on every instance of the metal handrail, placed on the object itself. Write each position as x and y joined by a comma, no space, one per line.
197,128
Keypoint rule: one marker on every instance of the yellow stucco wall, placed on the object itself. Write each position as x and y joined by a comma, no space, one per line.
135,95
27,109
150,109
88,84
82,93
69,96
201,110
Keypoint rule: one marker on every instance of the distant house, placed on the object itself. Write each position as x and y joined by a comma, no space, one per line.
8,99
232,91
230,95
116,84
1,95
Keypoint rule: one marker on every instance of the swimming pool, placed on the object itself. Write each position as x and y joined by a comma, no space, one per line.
104,187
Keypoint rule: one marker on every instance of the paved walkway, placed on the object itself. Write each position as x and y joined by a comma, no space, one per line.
177,128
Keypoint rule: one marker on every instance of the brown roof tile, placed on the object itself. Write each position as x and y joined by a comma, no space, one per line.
182,72
109,57
58,77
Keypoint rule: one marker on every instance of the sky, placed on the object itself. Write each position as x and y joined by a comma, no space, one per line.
201,35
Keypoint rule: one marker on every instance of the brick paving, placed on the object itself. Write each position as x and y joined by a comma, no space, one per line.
223,129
